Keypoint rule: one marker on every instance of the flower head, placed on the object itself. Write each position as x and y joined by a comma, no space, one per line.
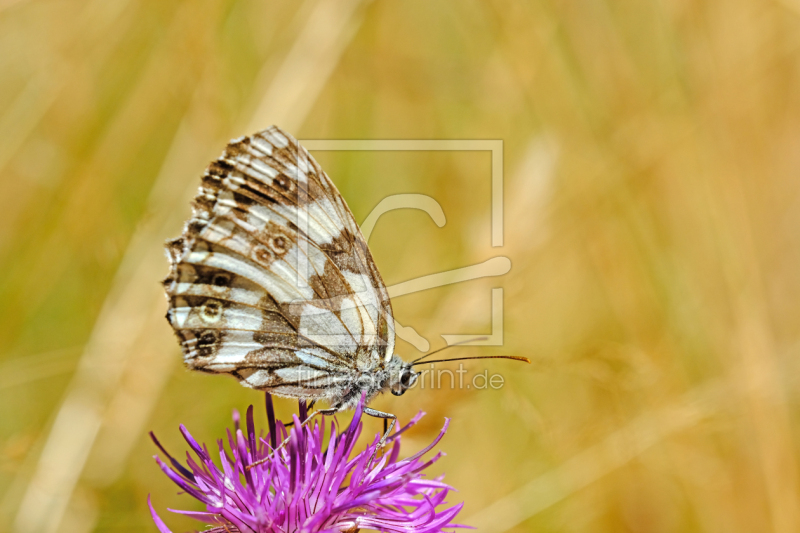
305,487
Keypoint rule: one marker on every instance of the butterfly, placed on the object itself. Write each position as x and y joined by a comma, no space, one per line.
272,282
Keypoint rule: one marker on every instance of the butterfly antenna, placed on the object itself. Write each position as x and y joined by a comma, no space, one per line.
415,361
512,357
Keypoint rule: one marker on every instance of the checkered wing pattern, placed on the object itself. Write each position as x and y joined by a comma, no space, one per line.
271,280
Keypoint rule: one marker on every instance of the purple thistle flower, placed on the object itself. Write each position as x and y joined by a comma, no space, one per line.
304,487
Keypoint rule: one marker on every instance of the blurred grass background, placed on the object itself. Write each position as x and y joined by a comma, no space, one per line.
652,207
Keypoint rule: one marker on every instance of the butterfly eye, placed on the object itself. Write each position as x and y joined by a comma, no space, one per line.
407,379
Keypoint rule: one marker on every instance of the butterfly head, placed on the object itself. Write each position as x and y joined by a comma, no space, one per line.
401,376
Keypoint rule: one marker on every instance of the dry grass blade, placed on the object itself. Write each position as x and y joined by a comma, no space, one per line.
599,460
125,319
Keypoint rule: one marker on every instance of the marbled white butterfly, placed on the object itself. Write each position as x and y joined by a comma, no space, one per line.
272,282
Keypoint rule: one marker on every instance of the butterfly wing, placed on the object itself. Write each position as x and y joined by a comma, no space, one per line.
272,280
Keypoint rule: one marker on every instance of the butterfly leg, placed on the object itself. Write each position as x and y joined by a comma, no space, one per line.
323,412
310,406
386,417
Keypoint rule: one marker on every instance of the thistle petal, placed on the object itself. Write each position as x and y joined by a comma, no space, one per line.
307,487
